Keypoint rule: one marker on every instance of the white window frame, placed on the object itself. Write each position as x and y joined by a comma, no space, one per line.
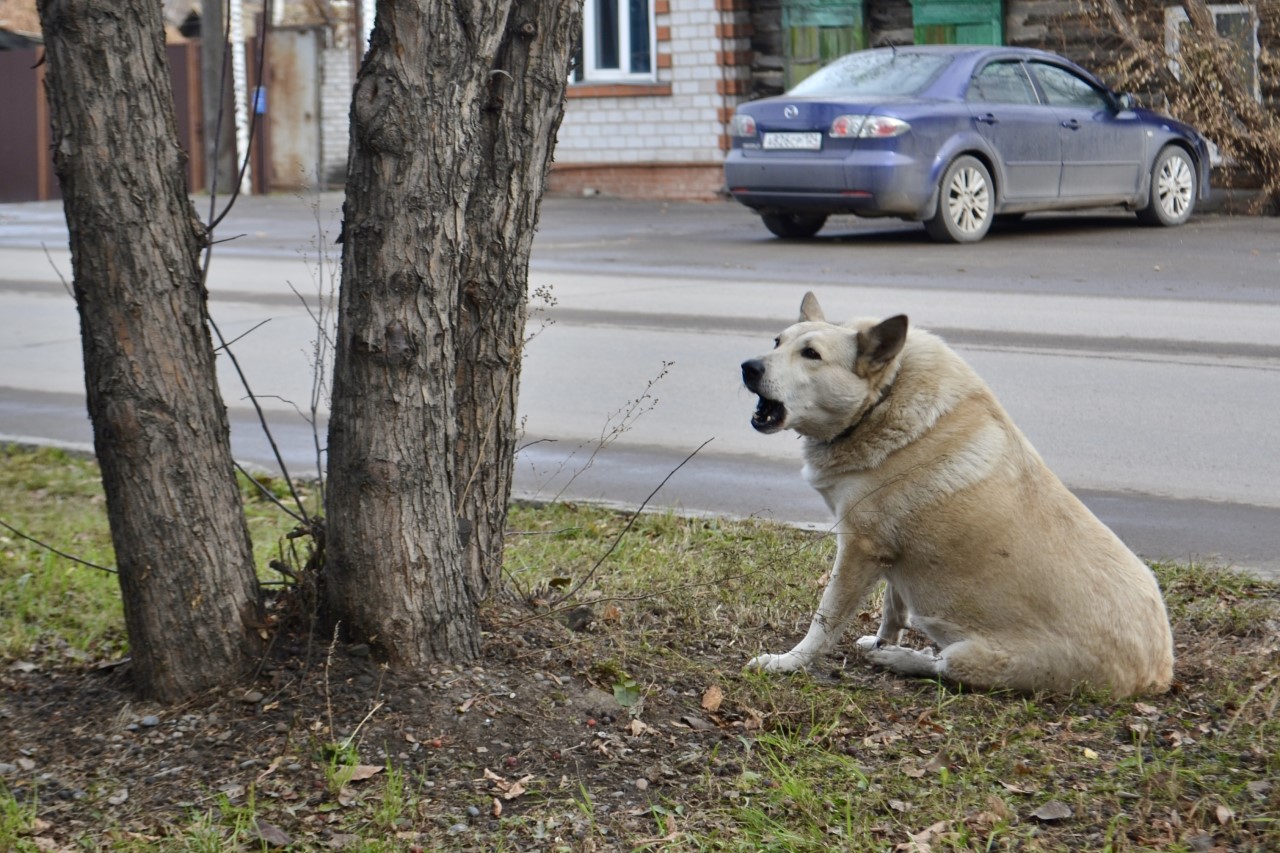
593,73
1176,16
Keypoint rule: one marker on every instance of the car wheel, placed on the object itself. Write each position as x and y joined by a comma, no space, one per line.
1173,189
965,202
794,226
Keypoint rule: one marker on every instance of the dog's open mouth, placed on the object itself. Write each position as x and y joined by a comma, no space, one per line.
769,415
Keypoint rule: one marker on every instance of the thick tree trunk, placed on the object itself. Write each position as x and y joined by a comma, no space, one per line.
453,119
160,428
516,139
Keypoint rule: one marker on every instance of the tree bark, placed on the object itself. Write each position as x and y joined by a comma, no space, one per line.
516,140
453,120
160,428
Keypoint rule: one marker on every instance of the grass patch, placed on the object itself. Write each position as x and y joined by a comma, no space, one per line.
616,719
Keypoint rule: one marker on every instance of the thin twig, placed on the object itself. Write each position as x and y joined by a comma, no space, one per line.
269,495
61,277
631,523
16,532
242,336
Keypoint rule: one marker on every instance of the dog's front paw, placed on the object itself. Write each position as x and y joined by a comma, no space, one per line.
869,643
776,663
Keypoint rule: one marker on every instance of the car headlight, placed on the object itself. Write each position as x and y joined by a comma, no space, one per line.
867,127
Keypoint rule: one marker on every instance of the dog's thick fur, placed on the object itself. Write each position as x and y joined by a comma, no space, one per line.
937,492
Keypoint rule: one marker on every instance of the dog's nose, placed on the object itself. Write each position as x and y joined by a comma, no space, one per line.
752,372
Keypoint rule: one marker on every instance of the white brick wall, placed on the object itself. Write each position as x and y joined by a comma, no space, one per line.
682,127
336,81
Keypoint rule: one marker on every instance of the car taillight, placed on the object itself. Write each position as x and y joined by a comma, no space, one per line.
742,125
867,127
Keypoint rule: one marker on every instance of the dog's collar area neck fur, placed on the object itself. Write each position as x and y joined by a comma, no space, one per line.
851,428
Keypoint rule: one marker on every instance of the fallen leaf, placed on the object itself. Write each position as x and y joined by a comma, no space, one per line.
636,728
496,808
1090,754
1052,810
899,805
697,723
1018,789
711,699
509,790
119,798
1225,815
270,834
982,820
922,842
1146,710
364,771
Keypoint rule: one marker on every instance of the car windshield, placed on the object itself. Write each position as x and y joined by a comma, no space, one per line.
874,73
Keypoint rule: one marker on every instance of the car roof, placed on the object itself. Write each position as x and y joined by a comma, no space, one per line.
961,49
967,57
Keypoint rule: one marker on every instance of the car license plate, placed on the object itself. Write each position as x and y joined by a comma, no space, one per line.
793,141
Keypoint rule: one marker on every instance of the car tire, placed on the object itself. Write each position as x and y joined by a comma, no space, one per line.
966,203
1172,195
794,226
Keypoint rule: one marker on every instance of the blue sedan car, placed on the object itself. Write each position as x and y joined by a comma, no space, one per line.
954,136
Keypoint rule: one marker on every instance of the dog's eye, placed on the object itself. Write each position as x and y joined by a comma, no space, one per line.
777,342
810,353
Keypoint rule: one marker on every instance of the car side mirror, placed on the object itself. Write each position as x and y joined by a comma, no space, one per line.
1125,101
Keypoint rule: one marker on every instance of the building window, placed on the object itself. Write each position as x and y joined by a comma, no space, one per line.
1237,23
617,41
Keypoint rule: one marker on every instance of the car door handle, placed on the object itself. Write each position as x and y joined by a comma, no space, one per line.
1072,124
986,119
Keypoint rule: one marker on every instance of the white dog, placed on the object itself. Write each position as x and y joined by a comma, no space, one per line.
938,493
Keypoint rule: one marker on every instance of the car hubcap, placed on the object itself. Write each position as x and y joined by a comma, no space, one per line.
968,200
1174,186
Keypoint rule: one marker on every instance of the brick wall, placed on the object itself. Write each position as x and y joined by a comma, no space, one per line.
337,79
664,138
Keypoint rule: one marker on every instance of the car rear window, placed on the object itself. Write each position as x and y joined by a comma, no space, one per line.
874,73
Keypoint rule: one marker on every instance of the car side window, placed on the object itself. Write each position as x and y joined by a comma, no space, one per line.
1064,89
1001,83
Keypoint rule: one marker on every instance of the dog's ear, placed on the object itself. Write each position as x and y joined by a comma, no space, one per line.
810,310
879,345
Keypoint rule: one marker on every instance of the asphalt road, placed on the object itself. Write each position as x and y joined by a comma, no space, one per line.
1144,364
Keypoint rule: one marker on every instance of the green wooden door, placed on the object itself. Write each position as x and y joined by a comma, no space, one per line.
818,31
958,21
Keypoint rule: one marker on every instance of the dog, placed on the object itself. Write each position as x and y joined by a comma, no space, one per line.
935,491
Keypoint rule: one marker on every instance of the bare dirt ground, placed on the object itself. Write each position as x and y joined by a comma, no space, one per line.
529,730
531,749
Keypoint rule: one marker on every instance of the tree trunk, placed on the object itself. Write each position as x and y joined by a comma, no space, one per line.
453,120
516,139
160,428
